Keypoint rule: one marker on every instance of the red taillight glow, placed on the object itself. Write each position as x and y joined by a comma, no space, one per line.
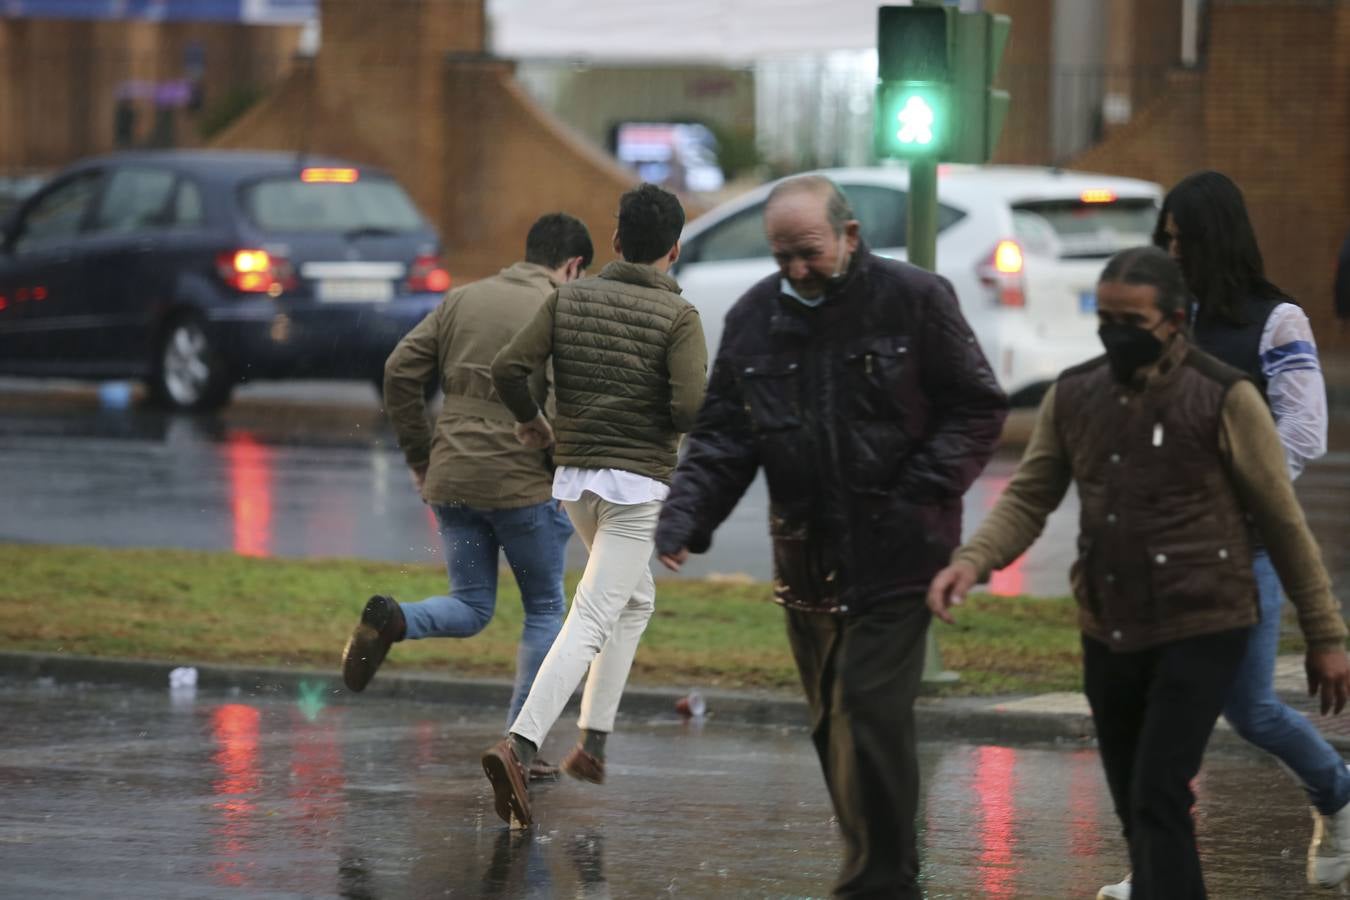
3,303
21,295
255,272
329,176
1008,258
427,275
1099,195
1002,272
39,293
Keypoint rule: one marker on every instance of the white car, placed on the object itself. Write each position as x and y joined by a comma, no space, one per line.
1023,246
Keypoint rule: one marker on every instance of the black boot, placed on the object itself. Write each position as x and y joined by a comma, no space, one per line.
381,625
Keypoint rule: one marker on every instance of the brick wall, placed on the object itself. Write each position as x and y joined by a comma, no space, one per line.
412,92
1025,75
60,80
1270,108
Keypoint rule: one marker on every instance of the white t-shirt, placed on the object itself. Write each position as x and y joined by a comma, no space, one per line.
614,485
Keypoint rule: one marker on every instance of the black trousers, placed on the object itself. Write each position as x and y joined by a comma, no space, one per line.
1154,711
861,675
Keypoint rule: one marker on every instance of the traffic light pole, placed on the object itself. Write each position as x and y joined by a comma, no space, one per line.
921,241
921,228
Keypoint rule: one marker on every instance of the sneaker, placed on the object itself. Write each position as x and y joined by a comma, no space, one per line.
1119,891
381,625
583,766
508,777
1329,852
543,771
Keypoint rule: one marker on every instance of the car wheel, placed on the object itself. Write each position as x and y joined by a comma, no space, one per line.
189,373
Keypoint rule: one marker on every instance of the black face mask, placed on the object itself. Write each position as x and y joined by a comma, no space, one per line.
1129,348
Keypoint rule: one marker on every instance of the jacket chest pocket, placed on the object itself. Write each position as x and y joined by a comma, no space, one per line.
771,389
876,370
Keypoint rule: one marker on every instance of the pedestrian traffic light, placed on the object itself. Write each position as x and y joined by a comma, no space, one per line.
935,95
913,108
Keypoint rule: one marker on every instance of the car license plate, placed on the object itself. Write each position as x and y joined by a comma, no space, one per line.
354,290
1087,302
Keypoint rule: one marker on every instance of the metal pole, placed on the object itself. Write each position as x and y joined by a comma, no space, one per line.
922,245
922,224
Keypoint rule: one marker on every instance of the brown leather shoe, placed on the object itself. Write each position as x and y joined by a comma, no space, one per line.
503,769
584,767
381,625
543,771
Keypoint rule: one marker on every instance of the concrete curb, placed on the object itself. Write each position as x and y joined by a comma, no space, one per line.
965,718
999,720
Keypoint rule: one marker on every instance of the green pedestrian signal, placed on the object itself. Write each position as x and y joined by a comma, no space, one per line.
913,119
916,122
935,74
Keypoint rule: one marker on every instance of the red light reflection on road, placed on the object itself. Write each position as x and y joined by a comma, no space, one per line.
1085,780
250,471
235,727
995,785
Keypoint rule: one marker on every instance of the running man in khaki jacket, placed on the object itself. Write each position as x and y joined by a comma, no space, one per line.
488,492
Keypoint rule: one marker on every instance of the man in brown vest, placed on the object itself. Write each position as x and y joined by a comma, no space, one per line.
1172,453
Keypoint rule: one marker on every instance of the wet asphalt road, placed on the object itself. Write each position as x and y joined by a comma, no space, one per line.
118,793
312,470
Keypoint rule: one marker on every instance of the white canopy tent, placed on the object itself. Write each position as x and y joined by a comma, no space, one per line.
721,32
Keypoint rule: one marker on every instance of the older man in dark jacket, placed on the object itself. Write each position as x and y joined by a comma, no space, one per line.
856,384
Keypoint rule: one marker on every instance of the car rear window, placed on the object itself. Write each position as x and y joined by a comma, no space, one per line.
289,204
1075,229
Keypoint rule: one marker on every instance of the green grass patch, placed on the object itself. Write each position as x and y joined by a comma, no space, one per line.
218,607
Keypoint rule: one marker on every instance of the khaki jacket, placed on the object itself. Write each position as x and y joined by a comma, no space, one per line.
473,456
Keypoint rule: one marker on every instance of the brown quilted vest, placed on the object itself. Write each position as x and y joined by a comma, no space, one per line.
1163,546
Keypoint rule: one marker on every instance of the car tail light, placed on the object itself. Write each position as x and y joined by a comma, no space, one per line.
329,176
255,272
1002,272
427,275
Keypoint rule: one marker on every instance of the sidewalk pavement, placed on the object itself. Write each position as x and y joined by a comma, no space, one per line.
1054,717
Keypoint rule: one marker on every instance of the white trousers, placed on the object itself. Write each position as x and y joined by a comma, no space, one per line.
613,602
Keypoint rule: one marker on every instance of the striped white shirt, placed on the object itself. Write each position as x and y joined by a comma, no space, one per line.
1294,385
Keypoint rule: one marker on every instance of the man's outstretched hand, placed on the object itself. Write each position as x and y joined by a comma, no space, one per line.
949,589
1329,674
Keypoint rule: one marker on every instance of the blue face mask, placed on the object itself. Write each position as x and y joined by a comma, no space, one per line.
786,287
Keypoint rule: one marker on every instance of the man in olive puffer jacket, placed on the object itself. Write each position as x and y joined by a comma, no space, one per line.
629,365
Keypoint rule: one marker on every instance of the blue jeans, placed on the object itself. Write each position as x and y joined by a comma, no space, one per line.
1259,717
535,540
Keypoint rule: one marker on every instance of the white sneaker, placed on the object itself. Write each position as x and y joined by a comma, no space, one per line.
1119,891
1329,852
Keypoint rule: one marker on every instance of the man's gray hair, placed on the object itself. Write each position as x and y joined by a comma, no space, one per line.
837,208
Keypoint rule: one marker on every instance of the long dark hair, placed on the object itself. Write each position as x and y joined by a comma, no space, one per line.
1219,255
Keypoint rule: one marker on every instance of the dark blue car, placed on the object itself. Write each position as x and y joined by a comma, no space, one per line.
199,270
